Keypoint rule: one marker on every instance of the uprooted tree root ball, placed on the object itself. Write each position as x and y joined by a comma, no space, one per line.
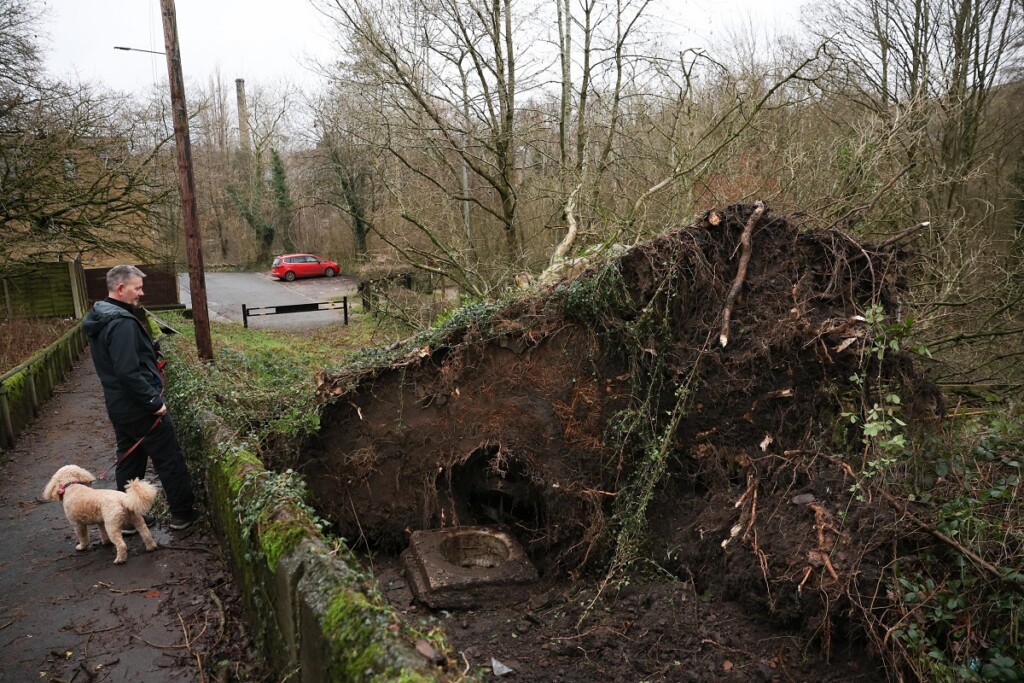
682,405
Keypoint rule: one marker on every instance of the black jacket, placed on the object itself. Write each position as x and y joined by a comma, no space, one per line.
126,361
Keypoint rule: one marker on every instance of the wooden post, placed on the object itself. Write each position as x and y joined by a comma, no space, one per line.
186,184
366,294
33,394
7,301
5,415
78,302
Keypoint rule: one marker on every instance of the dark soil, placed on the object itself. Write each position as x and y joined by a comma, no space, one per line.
649,628
170,615
754,562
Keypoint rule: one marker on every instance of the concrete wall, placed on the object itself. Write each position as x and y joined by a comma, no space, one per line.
319,617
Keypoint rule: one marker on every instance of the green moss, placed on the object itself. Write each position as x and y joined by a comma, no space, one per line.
351,626
360,630
238,458
18,400
278,538
238,466
15,384
151,326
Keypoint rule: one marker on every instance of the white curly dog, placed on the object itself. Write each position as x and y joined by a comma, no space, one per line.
106,508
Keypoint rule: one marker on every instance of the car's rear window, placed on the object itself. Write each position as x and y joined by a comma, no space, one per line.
276,262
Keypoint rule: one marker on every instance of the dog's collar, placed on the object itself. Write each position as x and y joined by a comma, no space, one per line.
63,487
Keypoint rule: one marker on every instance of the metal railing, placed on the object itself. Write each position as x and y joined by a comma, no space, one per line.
256,311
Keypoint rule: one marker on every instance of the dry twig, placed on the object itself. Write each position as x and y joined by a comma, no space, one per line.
220,613
188,646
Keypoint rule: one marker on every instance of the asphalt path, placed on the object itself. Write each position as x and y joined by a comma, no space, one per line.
226,292
68,615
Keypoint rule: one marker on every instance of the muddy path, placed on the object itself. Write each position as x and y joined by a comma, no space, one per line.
170,615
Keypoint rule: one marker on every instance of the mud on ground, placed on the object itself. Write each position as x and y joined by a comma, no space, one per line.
678,497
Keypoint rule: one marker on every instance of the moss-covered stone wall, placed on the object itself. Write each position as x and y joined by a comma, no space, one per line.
24,388
319,616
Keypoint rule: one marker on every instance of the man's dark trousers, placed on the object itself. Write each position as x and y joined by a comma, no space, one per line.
160,446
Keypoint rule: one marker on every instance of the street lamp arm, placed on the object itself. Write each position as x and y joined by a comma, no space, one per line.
137,49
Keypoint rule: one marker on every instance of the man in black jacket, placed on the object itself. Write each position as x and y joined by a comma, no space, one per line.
127,364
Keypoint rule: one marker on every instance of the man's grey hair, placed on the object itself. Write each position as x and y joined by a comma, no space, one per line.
122,273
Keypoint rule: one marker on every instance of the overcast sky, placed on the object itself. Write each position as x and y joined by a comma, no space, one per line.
265,41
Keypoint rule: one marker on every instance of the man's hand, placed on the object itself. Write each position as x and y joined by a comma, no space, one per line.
162,411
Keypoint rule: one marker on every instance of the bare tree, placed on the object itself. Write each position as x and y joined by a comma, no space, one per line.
930,68
79,167
250,186
79,174
442,78
340,170
928,86
548,137
603,75
213,152
19,53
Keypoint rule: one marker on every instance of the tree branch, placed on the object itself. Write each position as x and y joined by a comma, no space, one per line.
741,271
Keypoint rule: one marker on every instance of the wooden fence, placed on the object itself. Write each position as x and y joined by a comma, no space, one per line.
160,285
58,290
24,389
44,290
66,290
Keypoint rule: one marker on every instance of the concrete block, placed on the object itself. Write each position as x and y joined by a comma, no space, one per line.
465,567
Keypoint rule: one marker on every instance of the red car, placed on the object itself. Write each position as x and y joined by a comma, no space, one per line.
290,266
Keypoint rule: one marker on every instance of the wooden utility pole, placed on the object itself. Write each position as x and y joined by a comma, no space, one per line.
186,184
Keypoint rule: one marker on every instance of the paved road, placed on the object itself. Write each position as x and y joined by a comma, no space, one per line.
226,292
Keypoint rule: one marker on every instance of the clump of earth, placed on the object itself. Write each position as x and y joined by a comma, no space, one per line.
685,501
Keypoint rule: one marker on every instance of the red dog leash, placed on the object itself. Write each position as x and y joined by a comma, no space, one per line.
131,450
161,363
